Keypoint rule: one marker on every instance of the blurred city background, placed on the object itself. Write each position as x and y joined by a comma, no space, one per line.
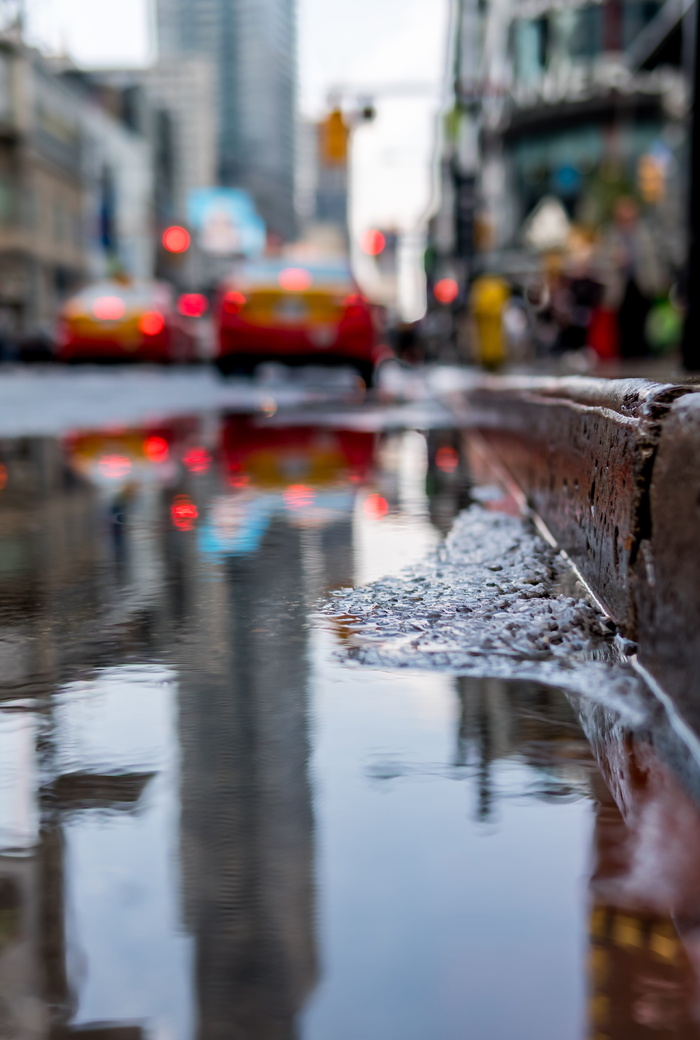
508,180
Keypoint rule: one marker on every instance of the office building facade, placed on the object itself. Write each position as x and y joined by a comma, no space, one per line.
251,45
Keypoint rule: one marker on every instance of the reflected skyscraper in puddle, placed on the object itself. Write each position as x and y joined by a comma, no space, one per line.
247,827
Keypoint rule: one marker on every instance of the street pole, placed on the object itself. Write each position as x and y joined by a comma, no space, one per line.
690,347
466,157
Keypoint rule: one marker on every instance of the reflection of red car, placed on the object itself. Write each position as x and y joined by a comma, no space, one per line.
277,310
273,457
137,455
114,321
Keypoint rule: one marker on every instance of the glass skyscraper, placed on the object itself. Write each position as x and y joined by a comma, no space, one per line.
252,47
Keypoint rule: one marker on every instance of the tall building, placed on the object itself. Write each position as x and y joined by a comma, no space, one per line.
185,88
252,48
579,101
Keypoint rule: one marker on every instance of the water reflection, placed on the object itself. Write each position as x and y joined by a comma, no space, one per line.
212,827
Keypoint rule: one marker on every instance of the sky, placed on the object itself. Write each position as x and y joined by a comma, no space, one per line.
362,46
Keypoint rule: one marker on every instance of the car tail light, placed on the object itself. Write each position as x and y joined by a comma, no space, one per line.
355,305
151,323
109,308
234,302
193,305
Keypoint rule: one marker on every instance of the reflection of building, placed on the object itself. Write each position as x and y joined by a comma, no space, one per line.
67,558
95,569
526,722
252,51
247,829
641,980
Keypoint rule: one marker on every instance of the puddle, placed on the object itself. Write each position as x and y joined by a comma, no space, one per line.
225,814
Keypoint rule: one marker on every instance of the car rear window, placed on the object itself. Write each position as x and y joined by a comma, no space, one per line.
134,296
322,274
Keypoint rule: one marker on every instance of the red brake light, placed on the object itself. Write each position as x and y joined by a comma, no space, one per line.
151,323
234,302
193,305
295,279
109,308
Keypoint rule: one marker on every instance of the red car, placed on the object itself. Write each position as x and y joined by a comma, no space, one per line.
297,313
124,322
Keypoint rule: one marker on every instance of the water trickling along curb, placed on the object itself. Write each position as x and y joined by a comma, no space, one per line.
612,471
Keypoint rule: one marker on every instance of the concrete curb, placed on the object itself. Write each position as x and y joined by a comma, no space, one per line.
666,578
612,469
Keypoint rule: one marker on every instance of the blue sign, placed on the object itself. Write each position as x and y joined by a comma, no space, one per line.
226,222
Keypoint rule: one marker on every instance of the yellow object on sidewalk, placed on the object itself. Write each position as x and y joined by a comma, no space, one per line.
487,301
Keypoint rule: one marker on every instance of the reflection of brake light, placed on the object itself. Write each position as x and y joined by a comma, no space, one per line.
156,448
447,460
3,477
115,467
295,279
238,480
297,496
376,507
234,302
193,305
197,460
109,308
151,323
183,513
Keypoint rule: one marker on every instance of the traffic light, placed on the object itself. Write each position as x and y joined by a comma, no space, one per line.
335,135
373,242
176,239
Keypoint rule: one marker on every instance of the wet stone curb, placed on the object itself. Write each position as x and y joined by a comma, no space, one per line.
612,469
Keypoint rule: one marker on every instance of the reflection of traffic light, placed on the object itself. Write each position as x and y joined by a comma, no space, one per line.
334,139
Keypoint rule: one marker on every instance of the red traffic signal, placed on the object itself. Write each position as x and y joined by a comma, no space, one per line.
446,290
373,242
176,239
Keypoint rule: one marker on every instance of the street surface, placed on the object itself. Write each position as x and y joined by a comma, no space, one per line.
277,760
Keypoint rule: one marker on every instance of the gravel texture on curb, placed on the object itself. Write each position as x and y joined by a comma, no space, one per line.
493,600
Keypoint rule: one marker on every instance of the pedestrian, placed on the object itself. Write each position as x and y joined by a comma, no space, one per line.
633,273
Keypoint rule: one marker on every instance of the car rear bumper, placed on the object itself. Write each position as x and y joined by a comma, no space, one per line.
85,349
308,345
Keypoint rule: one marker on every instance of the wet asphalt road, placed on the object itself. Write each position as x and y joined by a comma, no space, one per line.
238,802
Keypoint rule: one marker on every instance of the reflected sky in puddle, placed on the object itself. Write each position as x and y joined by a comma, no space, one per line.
211,827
